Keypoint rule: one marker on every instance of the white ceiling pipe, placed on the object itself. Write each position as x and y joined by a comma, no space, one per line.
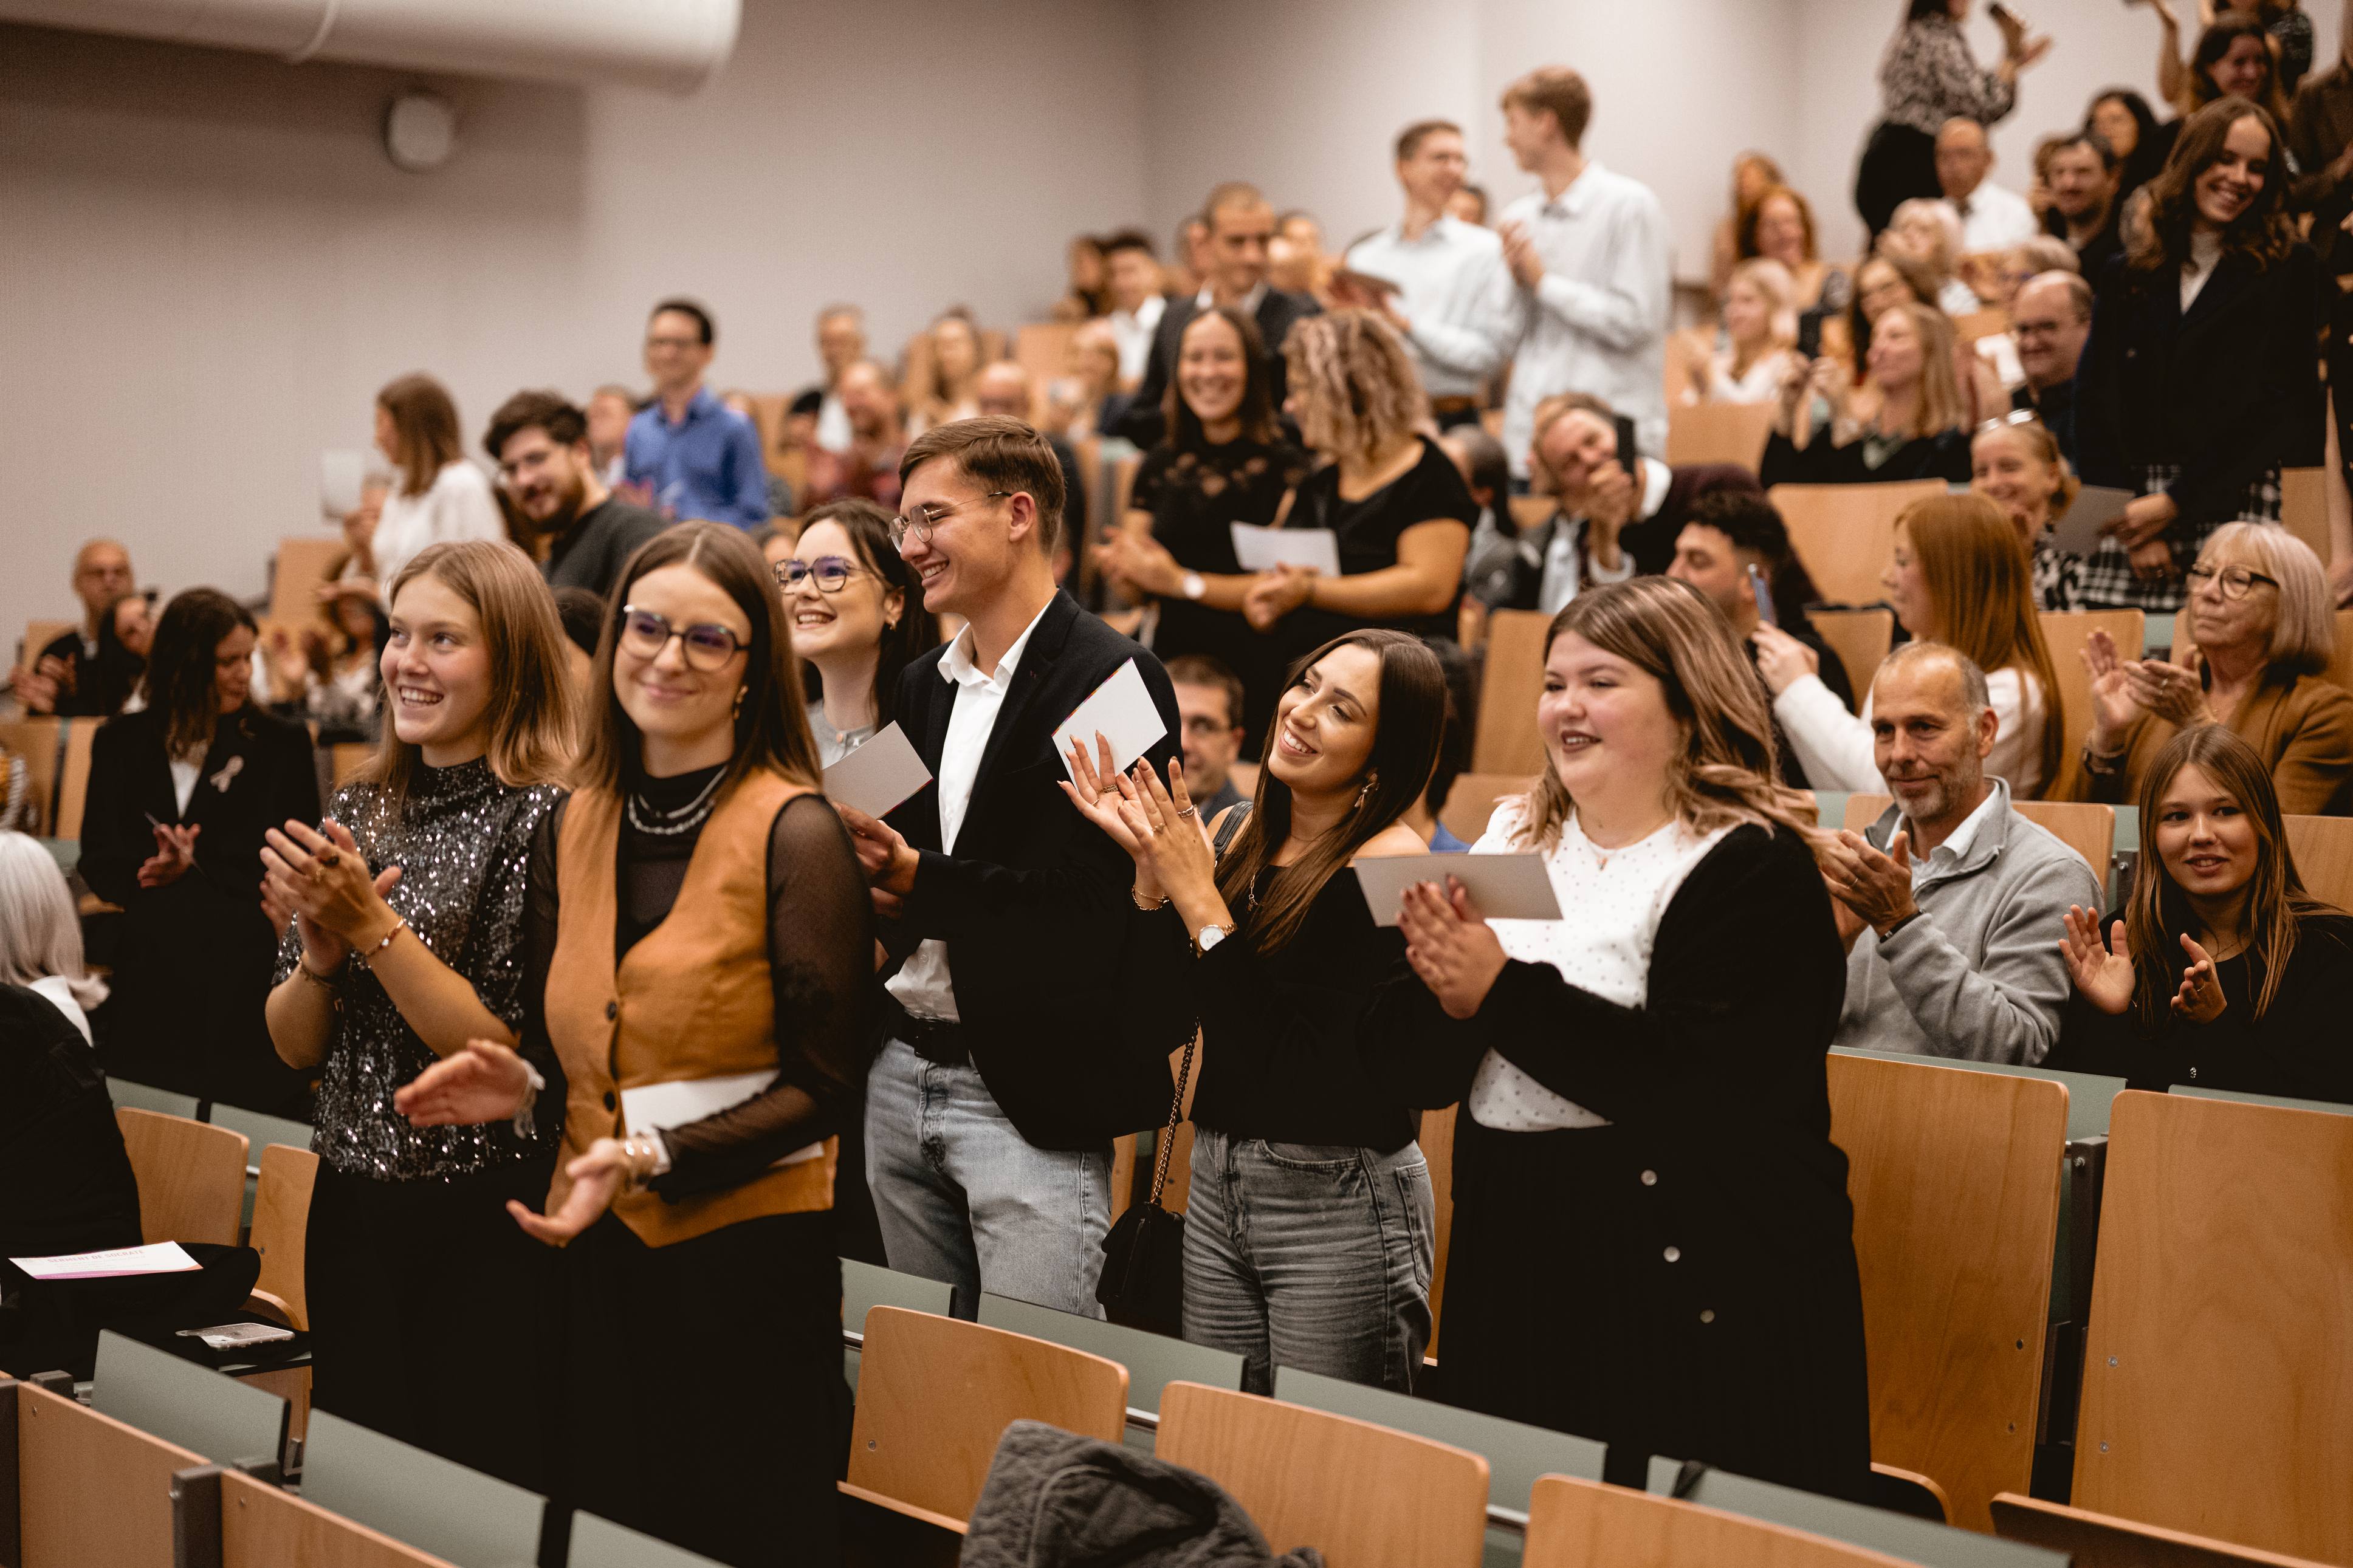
671,44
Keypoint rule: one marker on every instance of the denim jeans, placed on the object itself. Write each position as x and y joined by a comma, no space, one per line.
1308,1255
962,1197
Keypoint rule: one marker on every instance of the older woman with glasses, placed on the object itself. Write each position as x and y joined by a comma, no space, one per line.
858,618
2256,635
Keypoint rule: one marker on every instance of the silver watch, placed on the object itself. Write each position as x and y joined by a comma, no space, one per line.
1192,585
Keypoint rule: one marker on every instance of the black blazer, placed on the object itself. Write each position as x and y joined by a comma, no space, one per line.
1278,313
1033,903
2226,392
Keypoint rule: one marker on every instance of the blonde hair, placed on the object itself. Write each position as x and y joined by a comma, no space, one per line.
1772,280
1981,581
1358,394
1949,236
1939,406
2303,637
529,719
40,934
2045,446
1728,773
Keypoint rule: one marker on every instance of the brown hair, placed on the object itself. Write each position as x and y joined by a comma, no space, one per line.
426,423
549,411
1981,580
181,681
1745,236
1257,409
1003,455
2198,90
530,717
1559,90
771,721
1410,139
1727,774
1551,412
2158,914
1938,407
2264,234
1358,394
1234,195
1200,670
869,528
1408,726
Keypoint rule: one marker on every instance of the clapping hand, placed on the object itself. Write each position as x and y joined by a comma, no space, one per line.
1450,946
2201,998
2168,691
174,857
1876,886
2103,974
595,1178
1096,795
1171,845
1274,594
1520,254
323,879
484,1083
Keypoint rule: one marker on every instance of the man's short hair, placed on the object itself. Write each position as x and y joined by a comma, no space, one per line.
1200,670
1232,195
2079,293
2049,253
1112,244
689,308
832,313
1491,468
2101,147
581,611
1749,520
998,454
1973,679
1560,90
1410,139
549,411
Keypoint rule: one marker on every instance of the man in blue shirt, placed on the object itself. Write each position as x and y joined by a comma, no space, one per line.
695,456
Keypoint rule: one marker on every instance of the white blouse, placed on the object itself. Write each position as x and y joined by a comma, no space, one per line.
1611,901
1834,745
459,507
1761,385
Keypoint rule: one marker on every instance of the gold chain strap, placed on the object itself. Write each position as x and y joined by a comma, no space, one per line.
1175,1114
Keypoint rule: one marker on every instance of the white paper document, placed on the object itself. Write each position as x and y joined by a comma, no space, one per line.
1120,708
2096,505
878,776
1264,549
1502,887
164,1257
342,472
655,1106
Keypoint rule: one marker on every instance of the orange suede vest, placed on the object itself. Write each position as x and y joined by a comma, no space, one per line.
692,1000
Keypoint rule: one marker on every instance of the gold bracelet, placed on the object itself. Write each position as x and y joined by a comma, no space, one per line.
399,923
324,982
1147,908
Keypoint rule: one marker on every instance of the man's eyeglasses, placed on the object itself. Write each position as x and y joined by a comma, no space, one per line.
706,646
2237,581
921,520
832,573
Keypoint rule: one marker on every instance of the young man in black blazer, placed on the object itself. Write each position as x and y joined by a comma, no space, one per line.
1008,1063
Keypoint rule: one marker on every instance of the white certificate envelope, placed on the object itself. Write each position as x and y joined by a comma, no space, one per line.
877,776
162,1258
1121,709
1264,549
1503,886
341,474
655,1106
2096,505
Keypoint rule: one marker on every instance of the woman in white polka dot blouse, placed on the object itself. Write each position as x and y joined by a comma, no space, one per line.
1651,1241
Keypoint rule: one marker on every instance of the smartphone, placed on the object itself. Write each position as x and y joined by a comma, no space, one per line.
1628,454
1764,592
1810,336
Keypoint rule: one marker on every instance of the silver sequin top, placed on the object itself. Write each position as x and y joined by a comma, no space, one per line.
462,840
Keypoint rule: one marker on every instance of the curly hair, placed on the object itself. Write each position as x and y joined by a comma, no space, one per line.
1358,393
2264,234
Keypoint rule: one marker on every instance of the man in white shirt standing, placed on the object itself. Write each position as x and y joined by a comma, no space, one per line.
1590,257
1452,300
1136,301
1991,218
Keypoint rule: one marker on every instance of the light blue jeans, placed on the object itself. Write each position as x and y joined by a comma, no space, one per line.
1308,1255
962,1197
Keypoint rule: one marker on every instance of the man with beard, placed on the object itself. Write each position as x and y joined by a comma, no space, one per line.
581,532
868,469
1946,903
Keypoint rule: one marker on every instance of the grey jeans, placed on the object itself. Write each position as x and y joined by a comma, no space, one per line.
1312,1255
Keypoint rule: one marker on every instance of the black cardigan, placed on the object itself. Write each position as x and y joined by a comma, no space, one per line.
1944,456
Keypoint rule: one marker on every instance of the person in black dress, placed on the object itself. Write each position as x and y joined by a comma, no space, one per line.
1653,1244
2222,972
1395,501
180,796
1225,461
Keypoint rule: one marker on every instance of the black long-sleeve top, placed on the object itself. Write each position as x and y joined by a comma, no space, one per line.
820,962
1944,456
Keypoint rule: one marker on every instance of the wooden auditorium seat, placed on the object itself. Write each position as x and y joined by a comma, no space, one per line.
2340,665
1575,1523
304,563
1506,740
2323,850
1471,802
1845,534
1043,349
85,1489
2087,827
1719,433
2101,1541
225,1519
191,1178
38,635
2304,507
2066,633
73,776
1861,639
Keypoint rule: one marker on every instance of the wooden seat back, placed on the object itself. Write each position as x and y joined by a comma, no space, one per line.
2304,507
2066,633
87,1489
1845,534
1043,349
1861,639
2101,1541
1955,1179
1991,323
282,1222
1530,512
1364,1496
39,742
1471,802
38,635
1719,433
73,776
2323,850
2087,828
1507,741
2218,1389
304,561
1576,1524
191,1176
936,1394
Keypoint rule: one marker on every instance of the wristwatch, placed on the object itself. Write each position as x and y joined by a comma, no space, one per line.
1209,936
1192,585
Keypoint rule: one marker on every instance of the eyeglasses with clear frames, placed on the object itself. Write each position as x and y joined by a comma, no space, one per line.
832,573
920,520
707,647
2237,581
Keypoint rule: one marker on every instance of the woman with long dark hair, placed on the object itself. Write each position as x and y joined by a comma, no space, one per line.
2198,382
700,949
1652,1244
1309,1220
858,617
407,943
2223,972
1928,77
181,794
2123,119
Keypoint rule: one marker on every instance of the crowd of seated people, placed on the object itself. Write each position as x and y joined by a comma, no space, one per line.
606,660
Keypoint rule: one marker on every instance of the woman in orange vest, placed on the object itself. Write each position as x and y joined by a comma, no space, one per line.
702,949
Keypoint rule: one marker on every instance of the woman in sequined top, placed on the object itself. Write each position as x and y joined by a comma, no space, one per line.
407,943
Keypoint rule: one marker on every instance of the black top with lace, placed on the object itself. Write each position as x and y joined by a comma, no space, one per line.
820,961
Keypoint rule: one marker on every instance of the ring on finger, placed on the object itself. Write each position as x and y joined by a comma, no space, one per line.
1188,811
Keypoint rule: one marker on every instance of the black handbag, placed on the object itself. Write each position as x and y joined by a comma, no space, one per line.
1144,1257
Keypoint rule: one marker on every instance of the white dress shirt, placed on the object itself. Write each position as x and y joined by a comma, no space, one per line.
1134,332
1453,287
1993,218
922,984
1946,857
459,507
1563,574
1597,321
1611,901
58,991
1834,746
833,431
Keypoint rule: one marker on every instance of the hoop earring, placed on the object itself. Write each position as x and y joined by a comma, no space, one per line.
1362,793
